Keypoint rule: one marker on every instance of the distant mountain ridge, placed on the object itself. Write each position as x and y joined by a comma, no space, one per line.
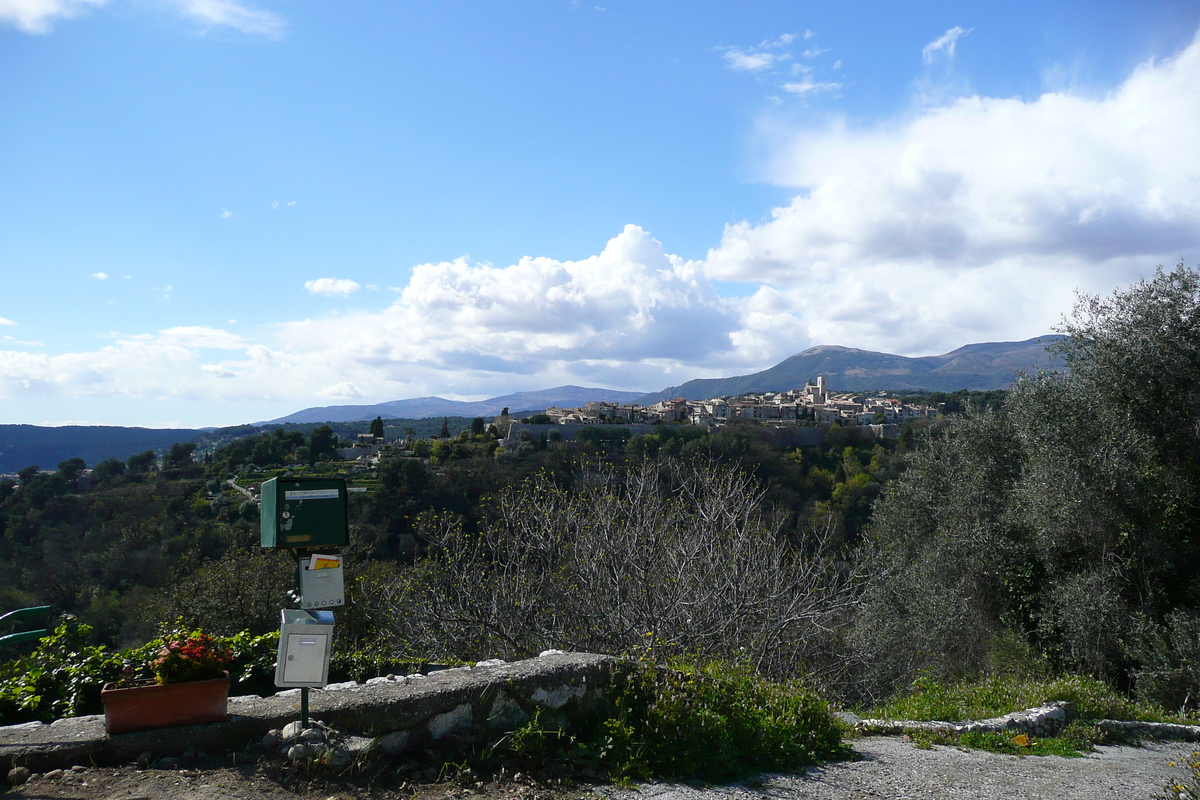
979,367
421,407
23,445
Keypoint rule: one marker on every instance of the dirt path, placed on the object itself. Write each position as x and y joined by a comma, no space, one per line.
890,768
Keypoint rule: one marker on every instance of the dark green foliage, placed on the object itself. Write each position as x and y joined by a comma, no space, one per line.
142,463
377,427
63,676
714,722
1067,524
179,455
321,444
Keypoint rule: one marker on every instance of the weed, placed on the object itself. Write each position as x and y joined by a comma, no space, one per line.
995,695
1189,787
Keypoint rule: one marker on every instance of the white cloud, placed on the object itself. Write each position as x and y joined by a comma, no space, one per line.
811,87
332,286
813,52
234,15
37,16
630,317
944,44
6,321
226,213
749,60
757,59
977,219
100,276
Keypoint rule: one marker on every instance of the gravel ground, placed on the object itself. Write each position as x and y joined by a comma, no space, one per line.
890,767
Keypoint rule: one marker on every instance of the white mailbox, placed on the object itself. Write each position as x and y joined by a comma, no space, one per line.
321,582
305,641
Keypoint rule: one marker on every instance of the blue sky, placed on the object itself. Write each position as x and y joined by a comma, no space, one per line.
215,211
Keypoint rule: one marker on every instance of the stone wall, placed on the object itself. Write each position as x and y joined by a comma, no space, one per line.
447,709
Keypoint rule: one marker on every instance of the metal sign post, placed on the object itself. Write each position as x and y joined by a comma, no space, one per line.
309,517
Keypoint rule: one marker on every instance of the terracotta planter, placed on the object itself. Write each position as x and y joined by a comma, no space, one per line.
140,708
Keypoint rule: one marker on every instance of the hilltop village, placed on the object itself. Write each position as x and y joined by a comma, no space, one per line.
813,404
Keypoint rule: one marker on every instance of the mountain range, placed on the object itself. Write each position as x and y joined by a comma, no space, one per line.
419,407
990,365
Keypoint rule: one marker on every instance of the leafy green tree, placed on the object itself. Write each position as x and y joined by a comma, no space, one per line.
107,470
71,469
445,432
321,444
179,455
477,426
142,463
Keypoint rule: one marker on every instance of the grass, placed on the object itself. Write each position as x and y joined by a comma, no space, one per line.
996,695
1077,739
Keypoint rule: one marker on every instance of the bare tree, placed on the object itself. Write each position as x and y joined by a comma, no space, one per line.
673,554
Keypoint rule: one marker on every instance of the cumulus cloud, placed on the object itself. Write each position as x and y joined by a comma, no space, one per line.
6,321
631,316
944,44
37,16
332,286
979,217
100,276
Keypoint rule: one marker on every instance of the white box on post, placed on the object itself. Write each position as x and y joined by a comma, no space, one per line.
305,642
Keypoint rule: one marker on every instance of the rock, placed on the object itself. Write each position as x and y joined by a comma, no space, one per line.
189,753
297,752
167,763
339,758
53,775
393,744
491,662
143,761
311,735
452,721
18,775
270,738
291,731
545,653
78,768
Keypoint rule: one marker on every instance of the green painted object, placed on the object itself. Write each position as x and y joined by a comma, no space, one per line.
304,513
23,636
24,613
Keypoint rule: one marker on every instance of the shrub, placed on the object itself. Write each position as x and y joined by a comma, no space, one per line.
715,721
